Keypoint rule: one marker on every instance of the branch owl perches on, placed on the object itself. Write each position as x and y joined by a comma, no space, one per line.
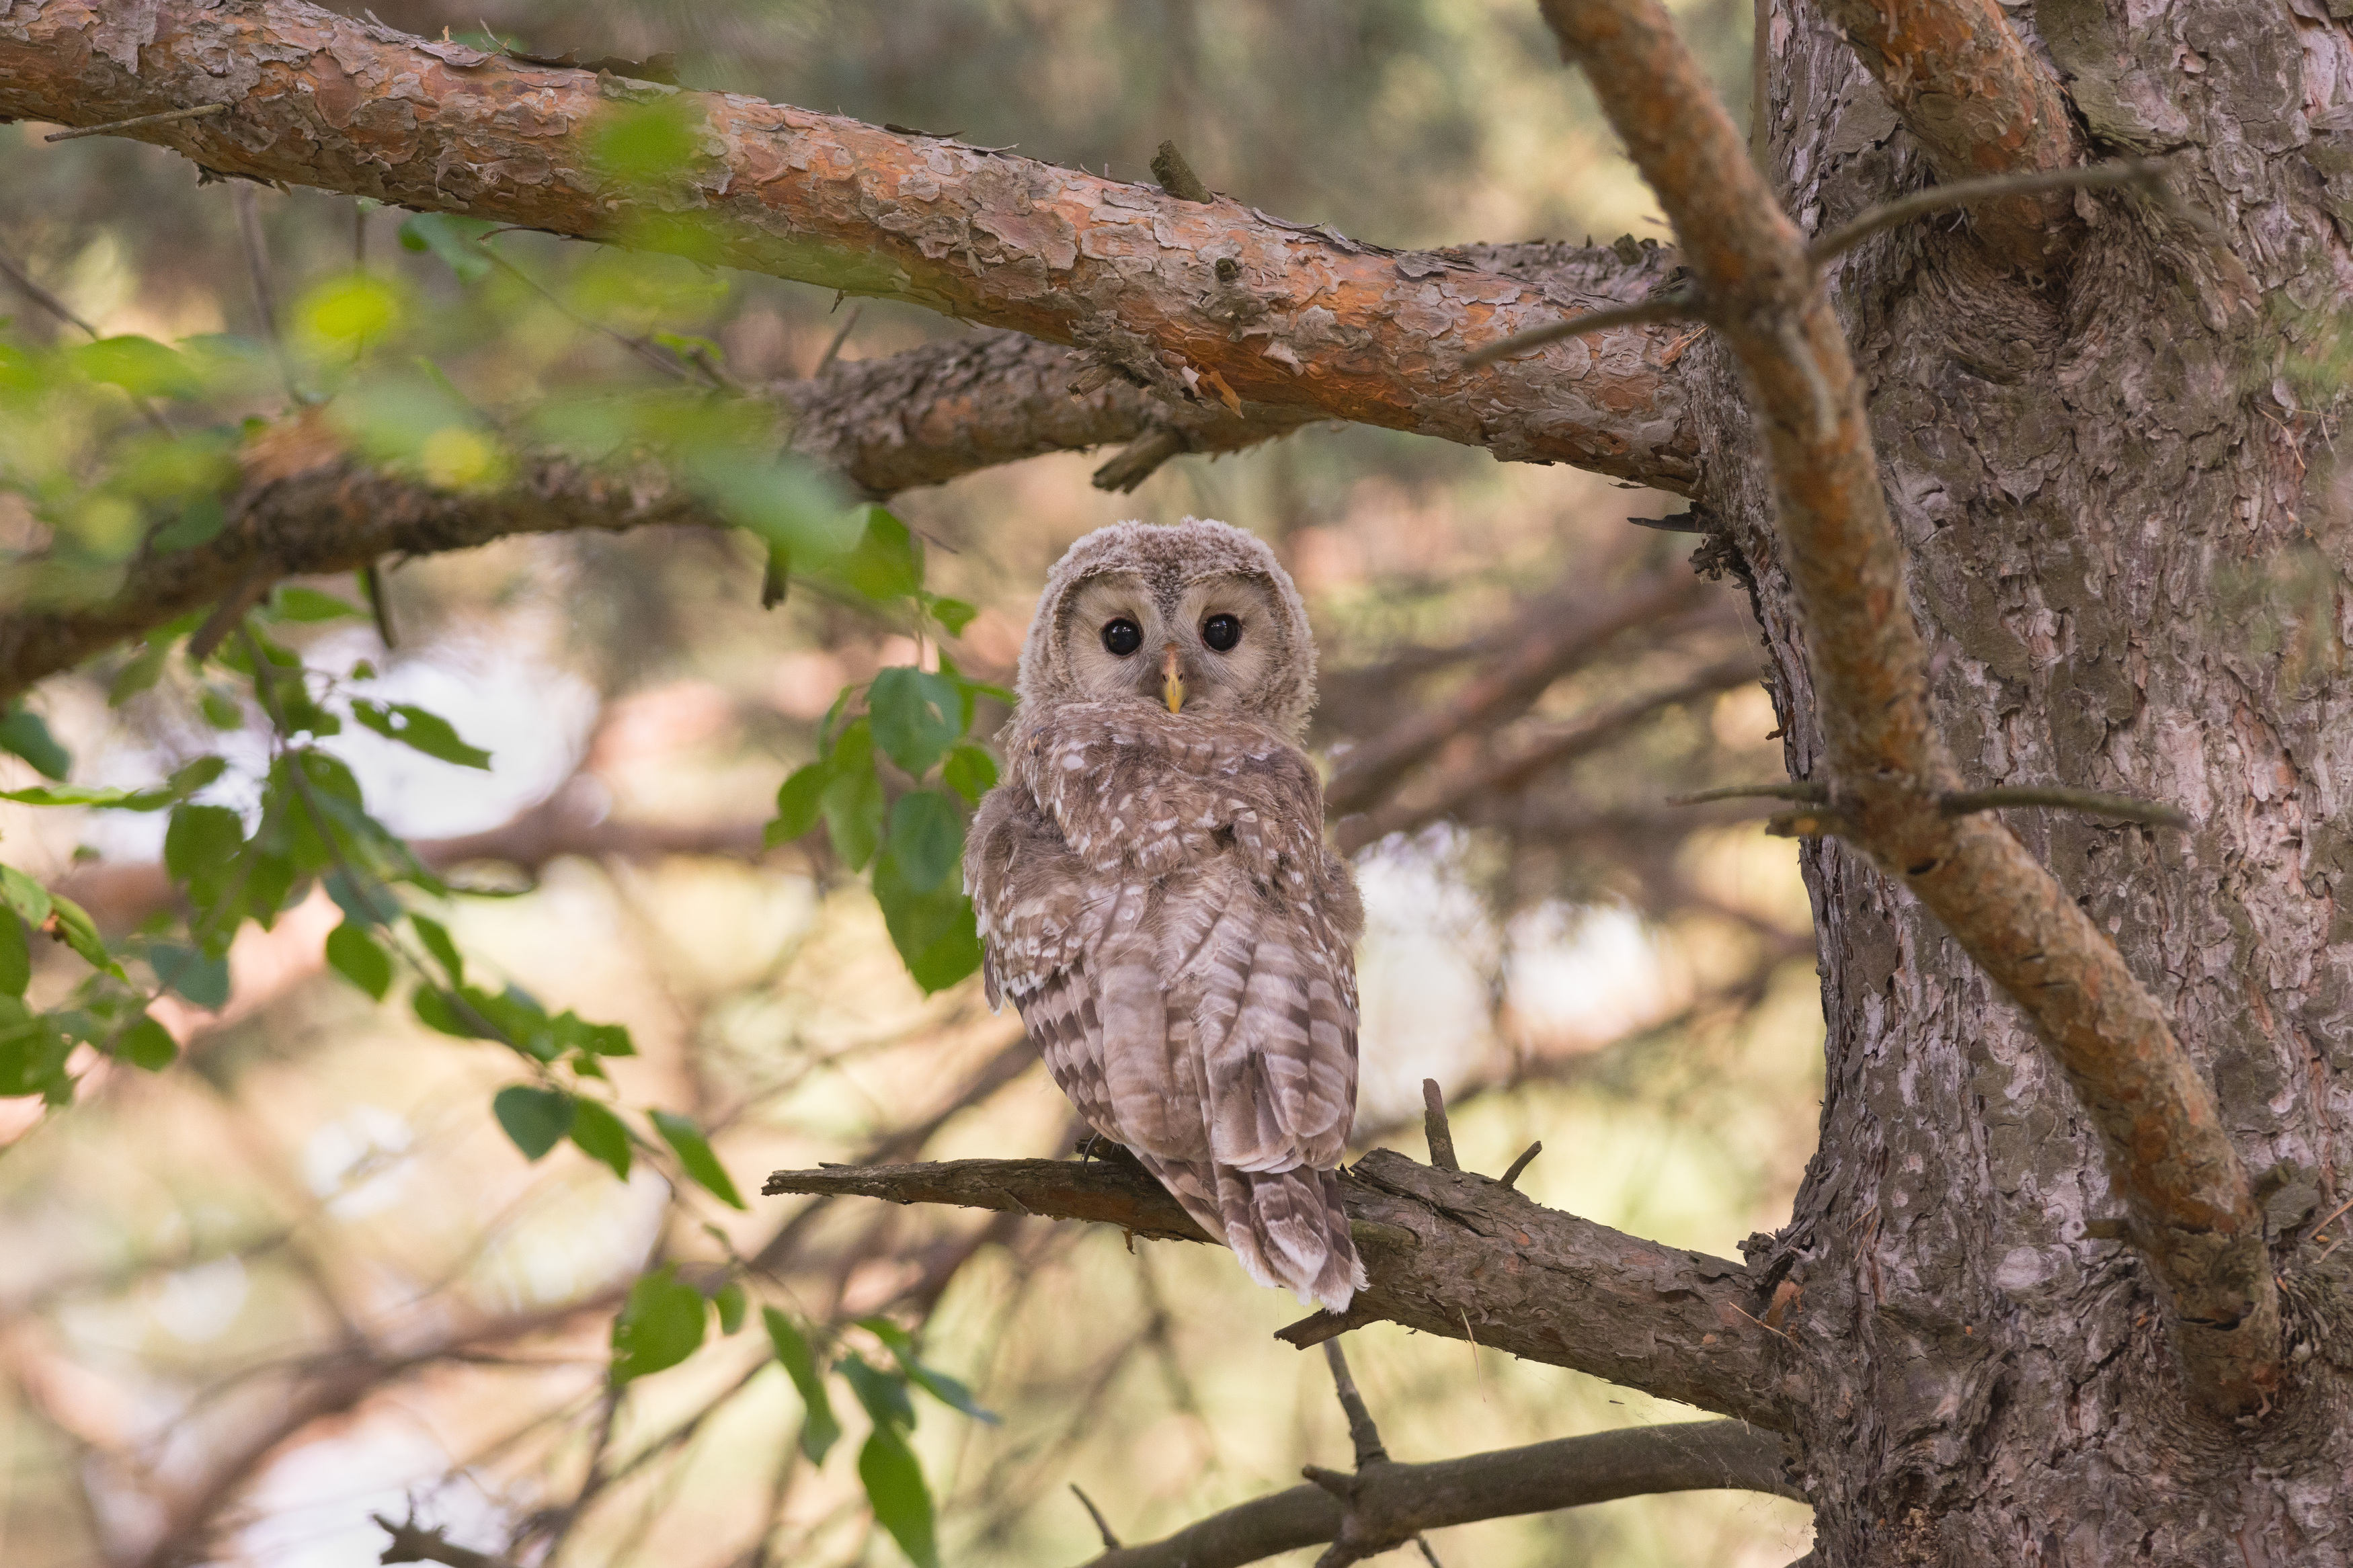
1155,895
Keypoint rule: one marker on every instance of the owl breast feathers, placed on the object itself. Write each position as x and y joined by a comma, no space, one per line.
1155,895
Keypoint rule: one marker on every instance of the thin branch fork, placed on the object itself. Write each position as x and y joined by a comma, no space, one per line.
2196,1222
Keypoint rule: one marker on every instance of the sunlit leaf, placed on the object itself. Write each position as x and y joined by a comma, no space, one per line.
78,931
954,615
969,770
693,1150
141,366
820,1427
901,1502
414,726
661,1325
601,1136
348,313
24,895
296,602
916,716
535,1118
355,956
24,734
147,1044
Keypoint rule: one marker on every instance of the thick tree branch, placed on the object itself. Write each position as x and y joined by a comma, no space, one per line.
1395,1502
1447,1252
1193,300
1979,103
2194,1215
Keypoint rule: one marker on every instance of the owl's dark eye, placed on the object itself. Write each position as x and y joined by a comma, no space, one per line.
1123,637
1221,632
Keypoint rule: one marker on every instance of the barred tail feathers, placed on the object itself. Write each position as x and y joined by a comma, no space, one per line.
1288,1229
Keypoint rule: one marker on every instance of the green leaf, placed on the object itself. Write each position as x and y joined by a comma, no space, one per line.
147,1044
183,783
600,1135
884,1394
200,848
730,1302
24,734
819,1426
355,956
78,932
436,1011
954,615
435,938
888,563
902,1504
295,603
926,842
573,1033
661,1325
535,1118
141,366
786,501
916,716
969,770
694,1151
800,800
15,955
451,238
202,977
933,929
853,802
947,1390
201,519
413,726
24,896
33,1052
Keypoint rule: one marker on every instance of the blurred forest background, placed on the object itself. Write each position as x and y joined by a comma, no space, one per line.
302,1277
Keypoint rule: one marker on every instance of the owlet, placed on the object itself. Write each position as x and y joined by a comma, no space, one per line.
1155,895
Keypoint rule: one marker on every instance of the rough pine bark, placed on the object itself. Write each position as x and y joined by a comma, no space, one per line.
2130,556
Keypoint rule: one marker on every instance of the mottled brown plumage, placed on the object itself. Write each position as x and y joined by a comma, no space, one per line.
1155,898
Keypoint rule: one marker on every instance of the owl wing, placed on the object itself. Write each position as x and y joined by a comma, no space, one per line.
1074,950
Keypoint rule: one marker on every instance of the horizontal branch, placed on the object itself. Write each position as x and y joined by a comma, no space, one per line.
1396,1501
311,505
1166,293
1978,103
1447,1252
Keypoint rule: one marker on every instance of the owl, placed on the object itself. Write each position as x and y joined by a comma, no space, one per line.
1155,895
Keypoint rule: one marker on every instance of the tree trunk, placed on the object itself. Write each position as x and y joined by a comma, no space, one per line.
2130,560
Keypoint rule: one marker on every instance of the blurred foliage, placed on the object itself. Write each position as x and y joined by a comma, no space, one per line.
522,1217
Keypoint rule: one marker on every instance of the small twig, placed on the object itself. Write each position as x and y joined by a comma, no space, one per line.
379,607
1102,1526
137,121
1434,1126
1679,306
229,611
1963,803
1176,177
1526,1154
411,1543
1427,1554
1811,794
833,349
1141,459
1966,193
1362,1432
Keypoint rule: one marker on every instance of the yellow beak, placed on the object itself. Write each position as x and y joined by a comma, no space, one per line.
1172,685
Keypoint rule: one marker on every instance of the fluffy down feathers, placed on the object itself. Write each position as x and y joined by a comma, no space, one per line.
1155,898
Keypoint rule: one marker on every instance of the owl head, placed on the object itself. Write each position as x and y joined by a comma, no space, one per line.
1199,616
